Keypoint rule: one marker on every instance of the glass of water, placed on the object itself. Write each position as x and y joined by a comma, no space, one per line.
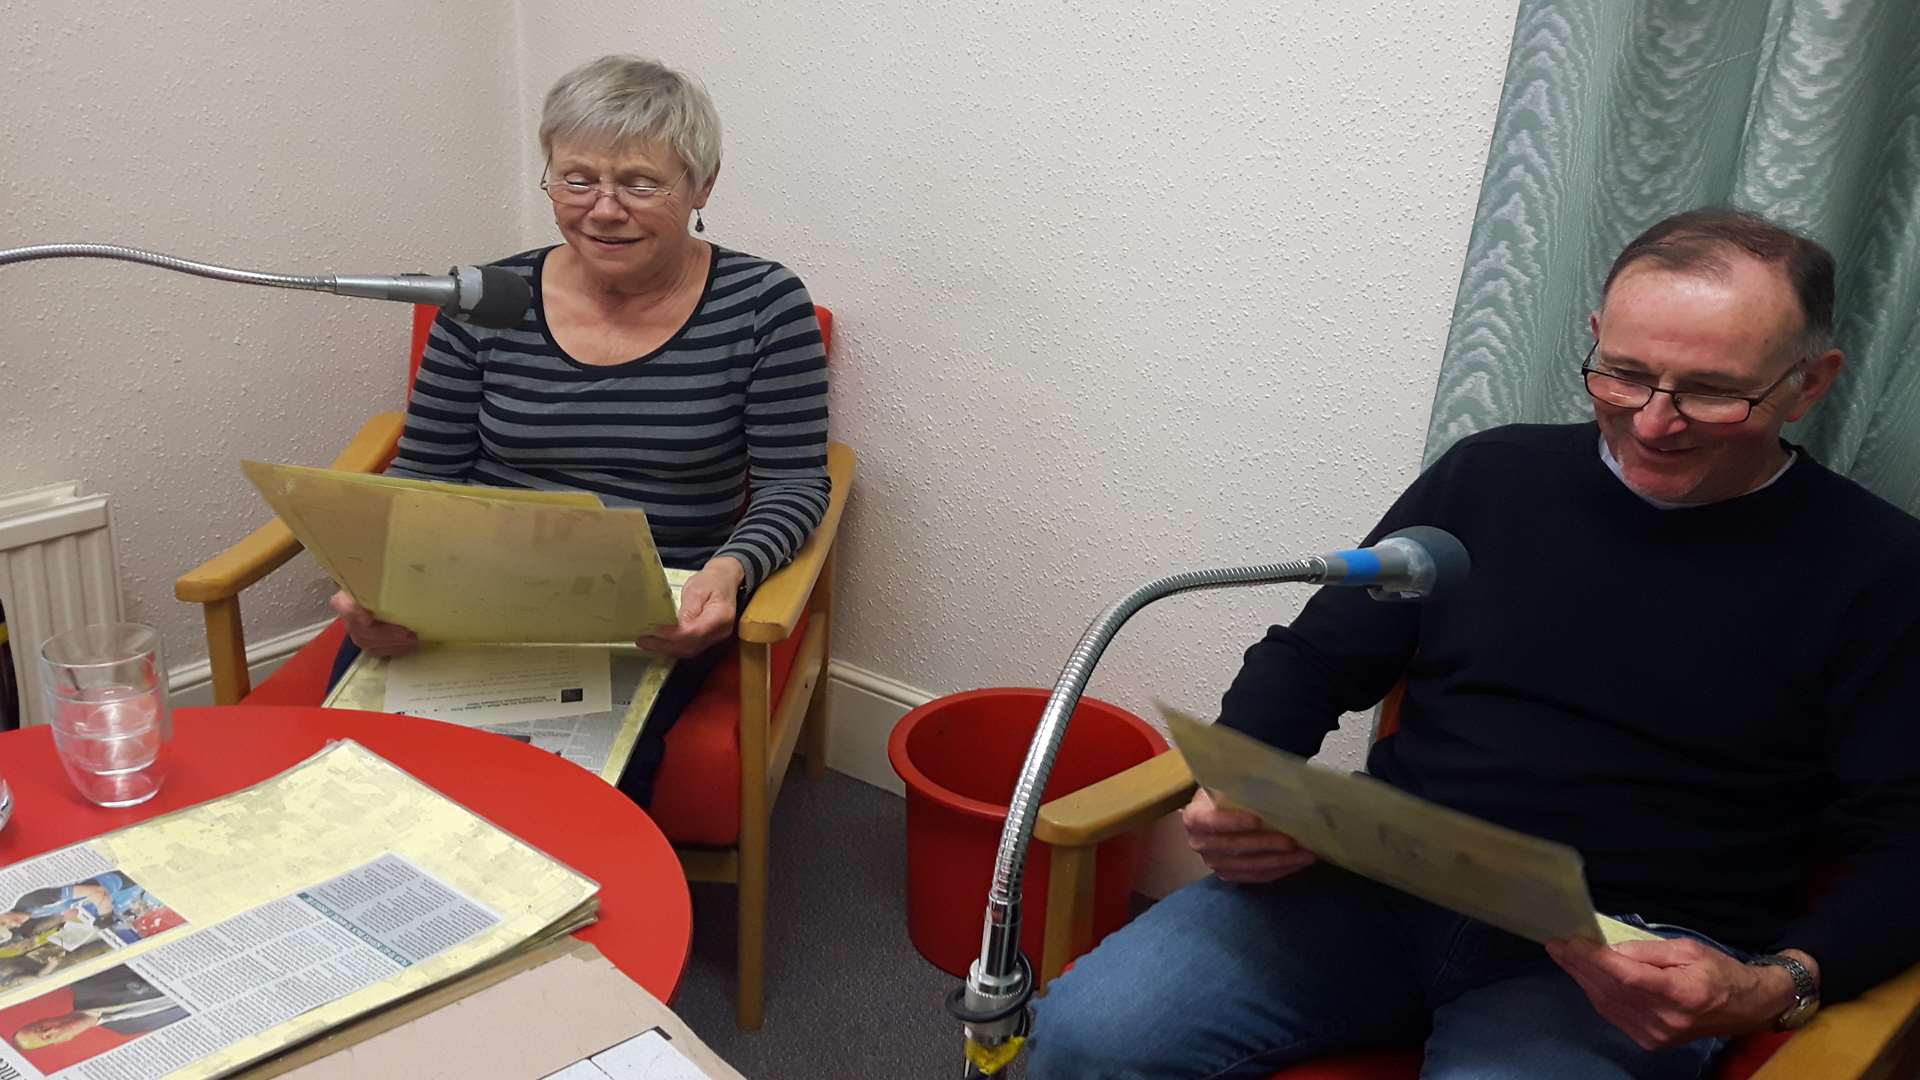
106,695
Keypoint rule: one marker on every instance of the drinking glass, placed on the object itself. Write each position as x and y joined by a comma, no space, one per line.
106,695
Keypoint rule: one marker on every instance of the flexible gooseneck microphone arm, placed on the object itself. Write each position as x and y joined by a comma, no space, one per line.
992,1004
484,295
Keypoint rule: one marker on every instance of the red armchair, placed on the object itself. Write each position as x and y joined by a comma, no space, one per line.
727,755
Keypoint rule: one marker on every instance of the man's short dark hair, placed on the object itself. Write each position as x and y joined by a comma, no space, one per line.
1701,240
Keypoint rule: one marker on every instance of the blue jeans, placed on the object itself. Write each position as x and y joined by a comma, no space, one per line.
1223,980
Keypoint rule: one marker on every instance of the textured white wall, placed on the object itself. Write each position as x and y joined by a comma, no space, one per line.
1122,289
351,137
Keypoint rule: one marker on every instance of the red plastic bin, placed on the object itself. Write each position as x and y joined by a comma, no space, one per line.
959,757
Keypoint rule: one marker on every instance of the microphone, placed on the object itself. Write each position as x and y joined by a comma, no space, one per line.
489,296
1415,563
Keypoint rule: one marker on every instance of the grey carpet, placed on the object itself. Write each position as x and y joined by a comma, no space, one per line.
847,994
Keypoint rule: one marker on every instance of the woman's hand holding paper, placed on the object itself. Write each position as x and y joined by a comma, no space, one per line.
709,603
383,639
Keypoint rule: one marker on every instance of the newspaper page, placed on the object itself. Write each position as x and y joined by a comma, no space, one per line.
240,978
345,811
599,742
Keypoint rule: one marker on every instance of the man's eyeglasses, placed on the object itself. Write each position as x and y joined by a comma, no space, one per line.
581,193
1618,390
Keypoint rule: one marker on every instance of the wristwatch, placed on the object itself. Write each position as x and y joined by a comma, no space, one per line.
1806,992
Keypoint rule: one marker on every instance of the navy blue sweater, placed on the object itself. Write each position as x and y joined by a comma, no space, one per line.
1707,702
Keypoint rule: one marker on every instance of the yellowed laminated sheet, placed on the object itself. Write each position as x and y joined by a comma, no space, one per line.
339,810
1532,887
472,564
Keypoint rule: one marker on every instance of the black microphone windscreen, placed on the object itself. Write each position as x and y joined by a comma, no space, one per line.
504,296
1451,564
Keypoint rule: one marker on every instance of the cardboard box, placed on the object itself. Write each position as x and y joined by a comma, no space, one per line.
528,1016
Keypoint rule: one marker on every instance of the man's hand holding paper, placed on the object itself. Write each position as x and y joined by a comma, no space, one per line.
1237,846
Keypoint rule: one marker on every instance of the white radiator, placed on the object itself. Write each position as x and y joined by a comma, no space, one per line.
57,571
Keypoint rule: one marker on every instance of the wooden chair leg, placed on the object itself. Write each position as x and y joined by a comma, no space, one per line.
814,735
1069,926
227,651
756,712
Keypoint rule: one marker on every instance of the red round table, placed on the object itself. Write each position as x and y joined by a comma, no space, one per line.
646,917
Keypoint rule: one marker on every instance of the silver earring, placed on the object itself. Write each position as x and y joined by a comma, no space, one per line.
698,225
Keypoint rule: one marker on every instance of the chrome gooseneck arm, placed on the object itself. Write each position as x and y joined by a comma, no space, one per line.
488,296
164,262
992,1003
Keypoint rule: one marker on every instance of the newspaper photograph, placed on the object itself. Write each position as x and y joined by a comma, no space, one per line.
240,978
69,907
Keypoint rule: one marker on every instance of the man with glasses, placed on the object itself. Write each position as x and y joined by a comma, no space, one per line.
1687,649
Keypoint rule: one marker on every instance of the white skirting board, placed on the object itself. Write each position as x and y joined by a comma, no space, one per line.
190,685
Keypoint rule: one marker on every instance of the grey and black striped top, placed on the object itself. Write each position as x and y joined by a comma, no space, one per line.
720,435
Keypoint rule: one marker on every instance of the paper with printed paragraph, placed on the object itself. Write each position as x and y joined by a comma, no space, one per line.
500,683
599,742
1528,886
343,811
474,564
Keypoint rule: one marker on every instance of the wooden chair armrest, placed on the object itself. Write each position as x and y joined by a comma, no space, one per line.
1123,801
1859,1039
271,545
776,606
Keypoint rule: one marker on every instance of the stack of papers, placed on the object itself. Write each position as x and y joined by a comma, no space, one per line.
526,602
470,564
225,932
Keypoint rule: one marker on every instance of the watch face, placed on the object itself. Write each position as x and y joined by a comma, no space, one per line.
1802,1011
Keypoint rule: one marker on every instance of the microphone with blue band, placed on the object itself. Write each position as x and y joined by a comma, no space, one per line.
1415,563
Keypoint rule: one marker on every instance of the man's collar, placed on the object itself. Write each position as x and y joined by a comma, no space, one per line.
1613,466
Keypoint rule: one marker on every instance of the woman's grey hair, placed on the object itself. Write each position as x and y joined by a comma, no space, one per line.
626,99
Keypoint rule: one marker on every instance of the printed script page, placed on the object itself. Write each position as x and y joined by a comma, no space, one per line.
472,564
1532,887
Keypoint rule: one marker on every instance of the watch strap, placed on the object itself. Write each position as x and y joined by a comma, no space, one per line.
1805,990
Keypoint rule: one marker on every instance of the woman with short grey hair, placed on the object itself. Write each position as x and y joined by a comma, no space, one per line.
653,369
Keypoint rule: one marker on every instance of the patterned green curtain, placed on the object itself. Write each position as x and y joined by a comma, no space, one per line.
1616,114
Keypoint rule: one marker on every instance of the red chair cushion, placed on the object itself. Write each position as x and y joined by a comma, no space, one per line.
696,799
1748,1053
301,679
